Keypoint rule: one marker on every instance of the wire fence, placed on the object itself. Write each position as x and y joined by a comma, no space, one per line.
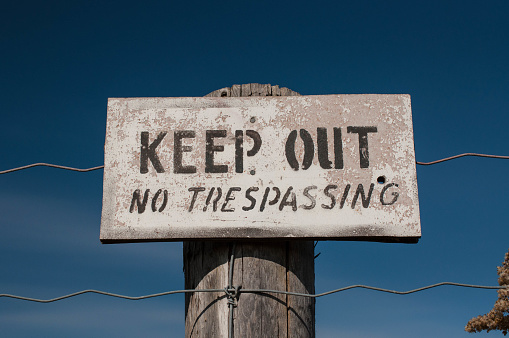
232,292
503,157
52,166
102,166
236,291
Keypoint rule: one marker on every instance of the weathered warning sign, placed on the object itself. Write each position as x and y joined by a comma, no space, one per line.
323,167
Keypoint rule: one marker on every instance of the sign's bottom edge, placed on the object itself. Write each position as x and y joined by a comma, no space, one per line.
379,239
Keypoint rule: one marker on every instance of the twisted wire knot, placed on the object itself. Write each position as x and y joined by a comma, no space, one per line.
232,293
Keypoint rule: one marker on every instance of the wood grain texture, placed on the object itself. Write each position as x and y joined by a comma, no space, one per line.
261,266
252,89
277,265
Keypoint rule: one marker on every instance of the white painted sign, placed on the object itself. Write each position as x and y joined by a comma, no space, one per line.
323,167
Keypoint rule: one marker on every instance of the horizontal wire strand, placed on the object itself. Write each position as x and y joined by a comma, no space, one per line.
240,290
107,294
52,166
102,166
376,289
463,155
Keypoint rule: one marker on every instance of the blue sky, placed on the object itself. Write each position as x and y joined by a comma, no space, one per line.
62,60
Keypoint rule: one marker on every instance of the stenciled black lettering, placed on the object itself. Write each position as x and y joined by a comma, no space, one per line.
178,149
343,198
250,198
216,200
209,197
149,152
284,201
229,197
338,149
156,197
264,198
363,142
323,148
210,149
195,191
257,142
136,201
394,194
239,151
266,195
360,191
276,198
312,198
327,193
309,149
290,150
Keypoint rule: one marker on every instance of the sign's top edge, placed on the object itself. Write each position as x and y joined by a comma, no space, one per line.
252,97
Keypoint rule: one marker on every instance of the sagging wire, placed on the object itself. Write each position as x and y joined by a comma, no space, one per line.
102,166
52,166
463,155
237,291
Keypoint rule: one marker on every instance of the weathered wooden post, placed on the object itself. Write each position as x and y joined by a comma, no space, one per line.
267,264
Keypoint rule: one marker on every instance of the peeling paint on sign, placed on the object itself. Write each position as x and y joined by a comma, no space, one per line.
323,167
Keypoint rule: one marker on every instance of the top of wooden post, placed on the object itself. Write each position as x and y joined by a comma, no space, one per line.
252,89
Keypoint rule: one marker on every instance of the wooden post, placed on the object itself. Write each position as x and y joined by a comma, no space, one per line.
276,265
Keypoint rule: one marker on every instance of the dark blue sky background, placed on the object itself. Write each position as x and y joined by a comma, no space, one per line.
61,60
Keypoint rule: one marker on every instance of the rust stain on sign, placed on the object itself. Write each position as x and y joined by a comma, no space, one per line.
324,167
